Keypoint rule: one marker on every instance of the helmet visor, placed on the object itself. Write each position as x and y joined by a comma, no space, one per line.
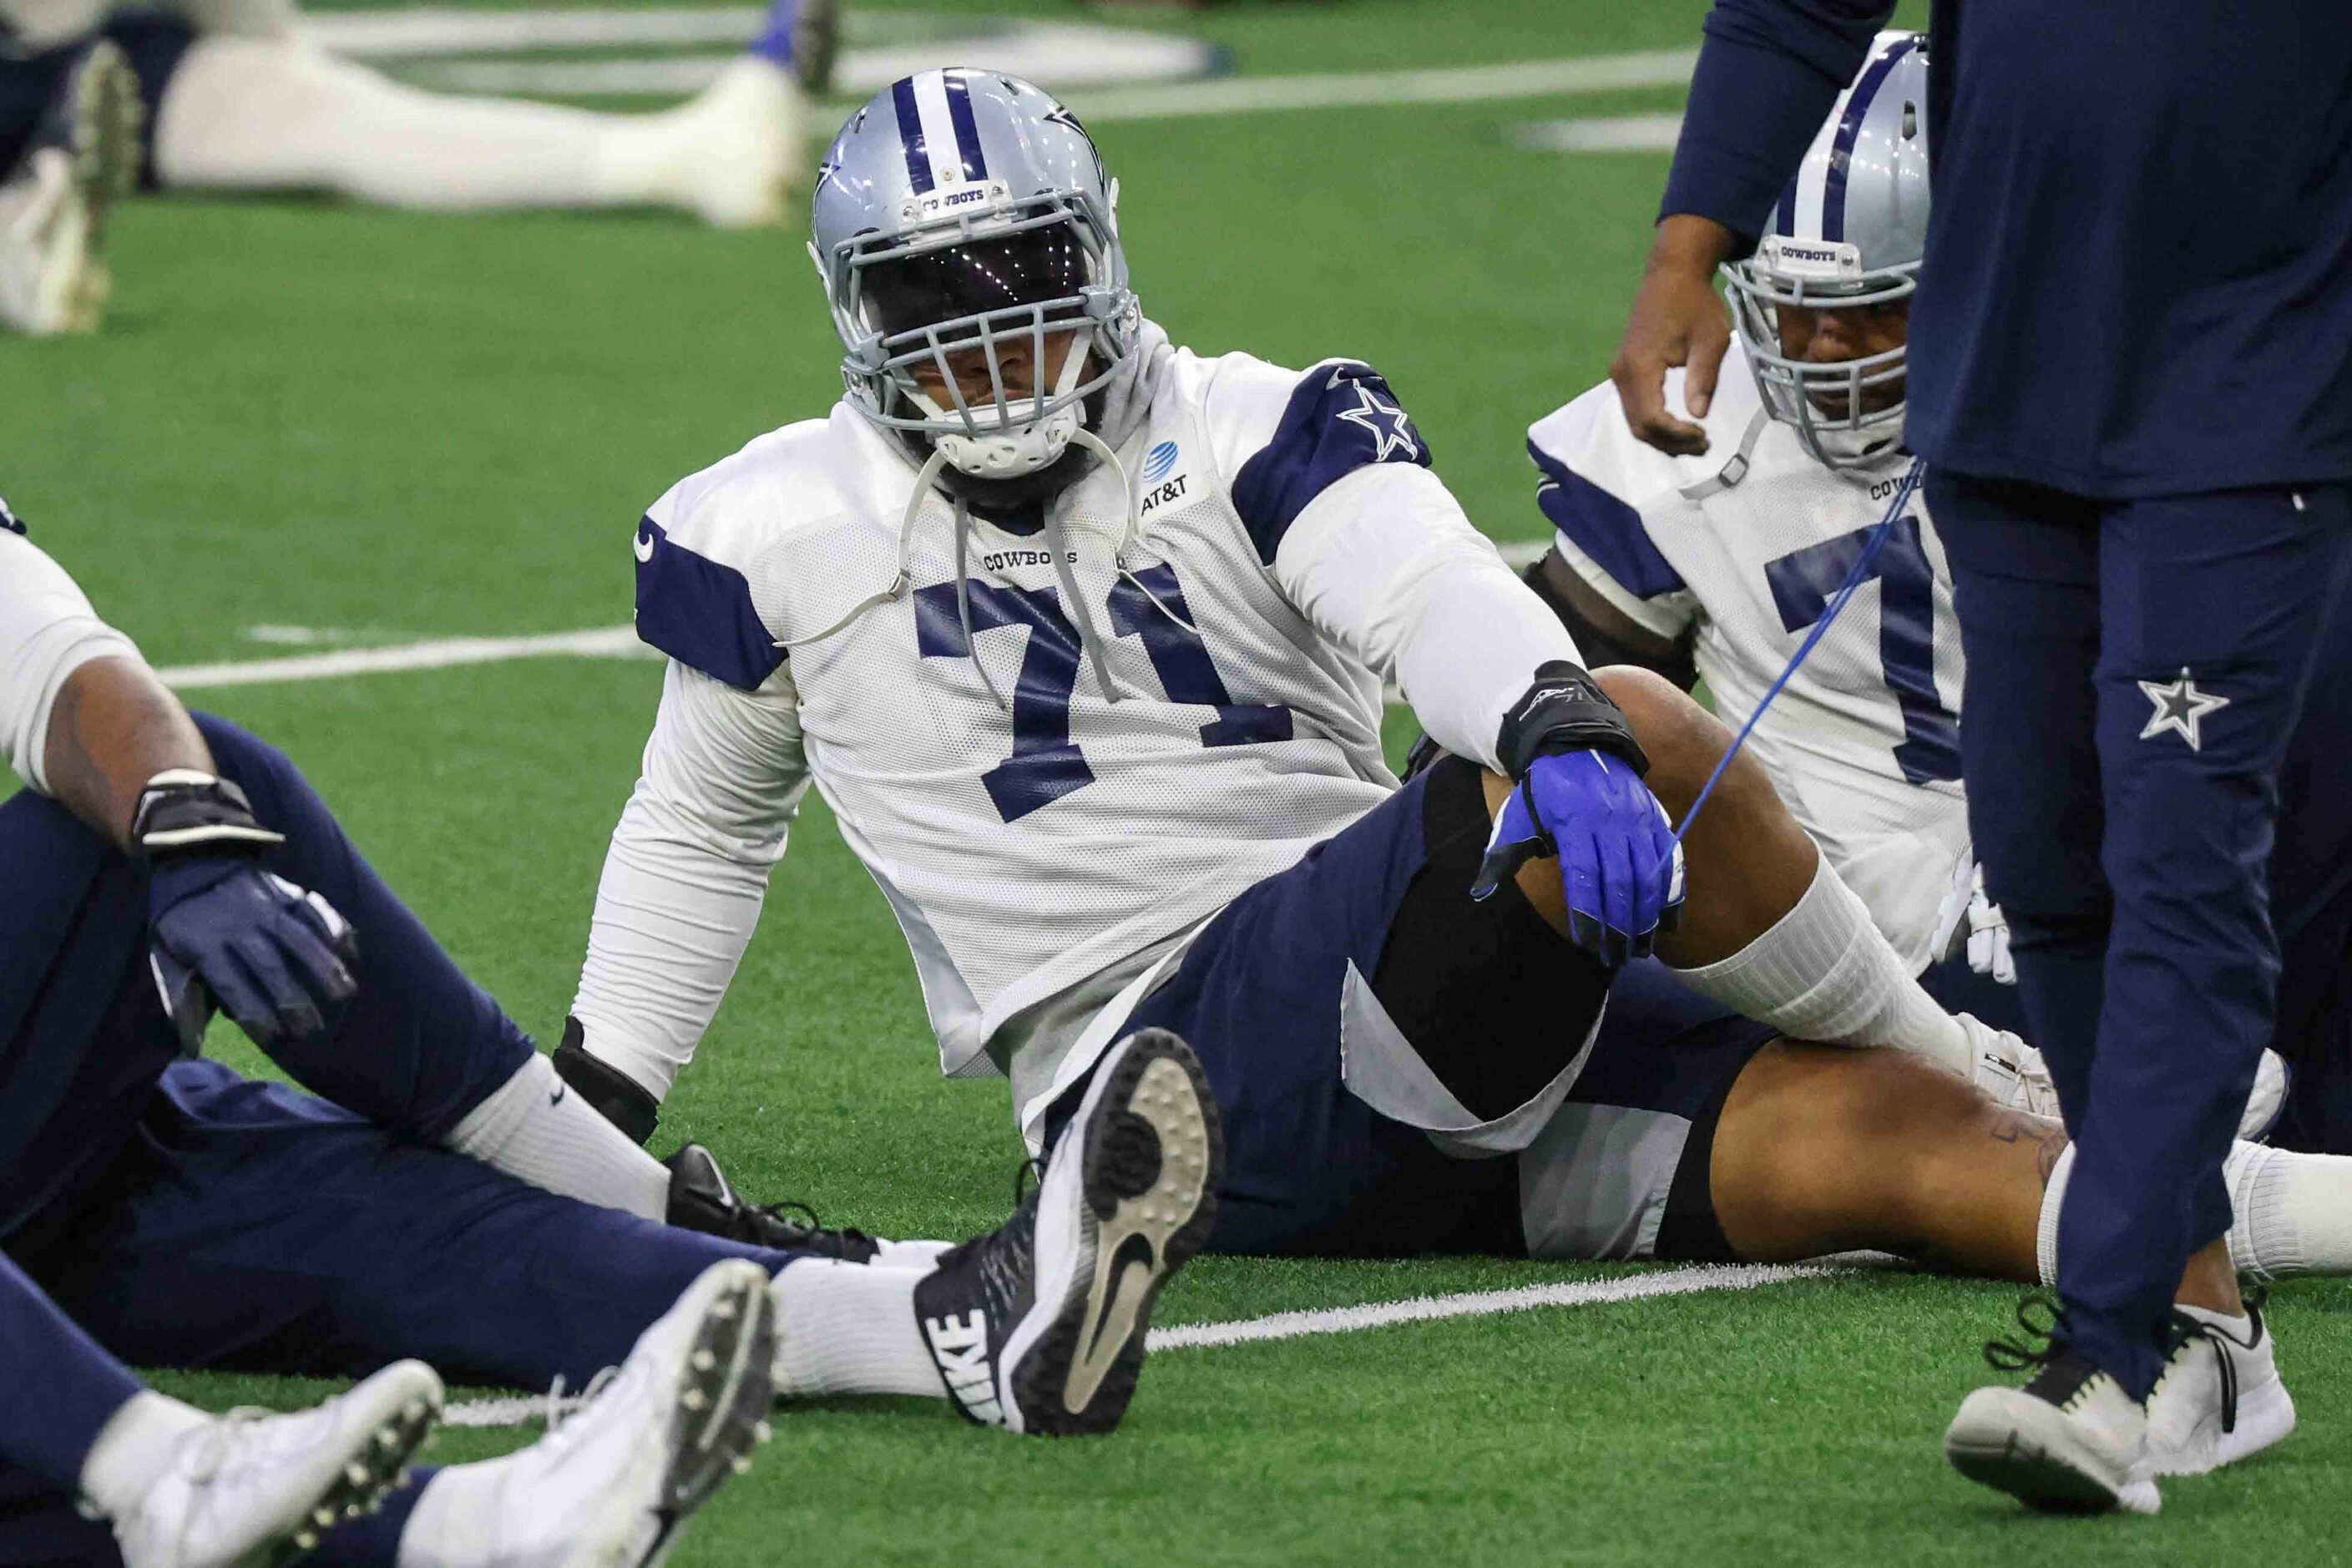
1032,266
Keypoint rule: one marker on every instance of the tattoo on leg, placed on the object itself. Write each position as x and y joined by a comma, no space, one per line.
2018,1126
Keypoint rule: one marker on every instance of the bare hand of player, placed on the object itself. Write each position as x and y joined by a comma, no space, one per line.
1676,320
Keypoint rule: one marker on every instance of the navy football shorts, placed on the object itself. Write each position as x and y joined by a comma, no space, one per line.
1402,1071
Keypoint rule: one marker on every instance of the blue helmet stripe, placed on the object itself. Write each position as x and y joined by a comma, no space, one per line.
967,129
1849,129
1784,221
910,133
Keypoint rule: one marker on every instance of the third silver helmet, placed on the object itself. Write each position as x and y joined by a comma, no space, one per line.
1849,232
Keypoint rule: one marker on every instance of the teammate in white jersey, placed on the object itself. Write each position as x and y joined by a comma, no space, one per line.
1717,567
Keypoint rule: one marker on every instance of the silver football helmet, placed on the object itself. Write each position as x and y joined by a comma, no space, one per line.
1848,233
961,212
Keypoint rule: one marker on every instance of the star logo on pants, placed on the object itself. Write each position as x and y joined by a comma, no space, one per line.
2179,708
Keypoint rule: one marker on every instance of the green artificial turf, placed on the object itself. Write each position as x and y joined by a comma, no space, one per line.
381,426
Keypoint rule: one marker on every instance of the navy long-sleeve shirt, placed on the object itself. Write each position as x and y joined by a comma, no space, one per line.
2138,275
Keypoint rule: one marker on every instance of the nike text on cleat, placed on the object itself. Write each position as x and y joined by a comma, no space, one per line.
83,157
613,1486
253,1490
1039,1325
2220,1397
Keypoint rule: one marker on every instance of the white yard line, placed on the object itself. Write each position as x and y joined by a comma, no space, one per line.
1488,1303
518,1410
439,653
1618,133
1452,84
1107,59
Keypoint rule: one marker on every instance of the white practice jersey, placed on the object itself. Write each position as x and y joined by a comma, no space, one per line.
1864,742
1054,768
48,631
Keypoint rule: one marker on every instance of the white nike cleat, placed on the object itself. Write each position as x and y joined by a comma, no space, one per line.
2267,1100
615,1485
2013,1074
1039,1325
253,1490
84,155
2220,1397
2009,1071
738,144
2069,1441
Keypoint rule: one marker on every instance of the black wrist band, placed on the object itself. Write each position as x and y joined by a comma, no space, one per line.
1565,710
182,814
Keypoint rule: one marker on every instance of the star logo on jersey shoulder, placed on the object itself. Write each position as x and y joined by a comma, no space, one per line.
2179,708
1389,430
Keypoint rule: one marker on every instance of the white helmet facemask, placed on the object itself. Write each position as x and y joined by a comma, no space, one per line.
1008,451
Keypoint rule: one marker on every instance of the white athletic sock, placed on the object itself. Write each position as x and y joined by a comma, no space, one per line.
919,1255
849,1327
2045,1232
1823,972
534,1128
2291,1213
269,114
134,1448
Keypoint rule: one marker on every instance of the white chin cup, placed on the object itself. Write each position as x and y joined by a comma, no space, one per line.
1010,454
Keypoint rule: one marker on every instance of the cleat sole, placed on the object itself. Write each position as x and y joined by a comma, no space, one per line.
378,1467
1153,1157
726,1388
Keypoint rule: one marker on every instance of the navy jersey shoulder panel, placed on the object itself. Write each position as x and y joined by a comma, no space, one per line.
700,612
1340,418
9,521
1602,527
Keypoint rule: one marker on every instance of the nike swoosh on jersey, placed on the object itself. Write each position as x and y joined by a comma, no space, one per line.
645,546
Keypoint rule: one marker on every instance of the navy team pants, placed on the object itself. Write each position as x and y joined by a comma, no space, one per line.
225,1223
2136,671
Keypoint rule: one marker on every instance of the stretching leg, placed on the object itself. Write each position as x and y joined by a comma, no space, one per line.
1766,929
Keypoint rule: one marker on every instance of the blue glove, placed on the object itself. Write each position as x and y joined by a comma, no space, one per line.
1581,797
1619,866
277,957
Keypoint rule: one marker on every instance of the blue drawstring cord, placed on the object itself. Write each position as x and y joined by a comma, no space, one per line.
1856,576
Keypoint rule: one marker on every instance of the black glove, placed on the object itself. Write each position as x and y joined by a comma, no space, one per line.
276,956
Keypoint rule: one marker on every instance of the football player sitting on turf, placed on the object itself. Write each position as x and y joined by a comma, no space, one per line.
1717,567
228,95
454,1202
1083,636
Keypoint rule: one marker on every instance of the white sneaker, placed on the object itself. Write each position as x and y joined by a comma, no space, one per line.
2013,1074
54,203
2009,1071
613,1486
2220,1397
252,1490
2069,1441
